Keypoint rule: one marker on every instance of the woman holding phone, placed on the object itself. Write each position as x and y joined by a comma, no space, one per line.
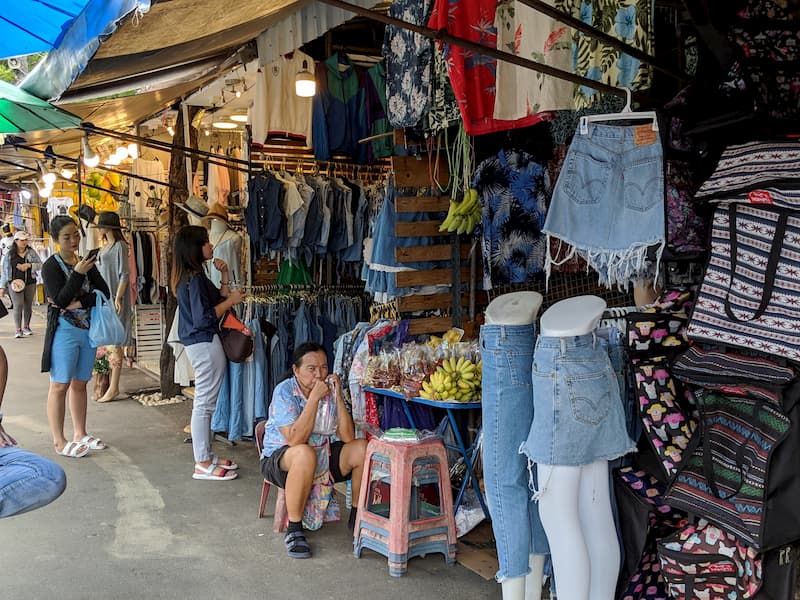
69,285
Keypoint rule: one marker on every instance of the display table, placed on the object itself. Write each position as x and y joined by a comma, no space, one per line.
468,454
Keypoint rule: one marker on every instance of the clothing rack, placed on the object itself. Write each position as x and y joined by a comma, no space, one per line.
298,287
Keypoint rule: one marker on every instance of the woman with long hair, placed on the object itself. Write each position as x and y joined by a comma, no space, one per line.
200,307
69,284
19,268
112,262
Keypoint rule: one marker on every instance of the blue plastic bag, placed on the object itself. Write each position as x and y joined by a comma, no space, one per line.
105,328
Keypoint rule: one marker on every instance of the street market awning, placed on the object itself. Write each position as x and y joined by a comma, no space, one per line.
21,112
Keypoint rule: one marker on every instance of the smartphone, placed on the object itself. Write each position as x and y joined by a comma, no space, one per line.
92,254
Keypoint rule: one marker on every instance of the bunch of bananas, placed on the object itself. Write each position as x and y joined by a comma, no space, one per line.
462,217
456,379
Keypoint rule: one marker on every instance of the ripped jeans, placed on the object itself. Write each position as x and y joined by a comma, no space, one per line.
507,405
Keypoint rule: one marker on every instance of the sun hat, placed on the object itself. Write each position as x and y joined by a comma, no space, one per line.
107,220
218,212
194,206
21,235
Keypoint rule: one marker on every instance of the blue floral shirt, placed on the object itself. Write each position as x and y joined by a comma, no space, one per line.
409,59
514,191
287,404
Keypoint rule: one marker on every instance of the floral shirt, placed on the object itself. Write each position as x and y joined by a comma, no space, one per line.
514,192
473,75
524,32
629,20
408,57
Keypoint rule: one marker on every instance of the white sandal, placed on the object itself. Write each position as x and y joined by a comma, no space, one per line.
207,473
70,450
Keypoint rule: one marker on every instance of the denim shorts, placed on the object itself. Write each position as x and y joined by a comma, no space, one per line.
72,354
578,416
608,202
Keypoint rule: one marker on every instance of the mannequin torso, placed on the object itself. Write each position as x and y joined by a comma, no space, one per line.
517,308
572,317
227,246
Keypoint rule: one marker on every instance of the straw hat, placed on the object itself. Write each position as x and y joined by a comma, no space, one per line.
218,212
194,206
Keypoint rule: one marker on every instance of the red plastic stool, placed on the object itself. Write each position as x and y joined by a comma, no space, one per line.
281,521
409,525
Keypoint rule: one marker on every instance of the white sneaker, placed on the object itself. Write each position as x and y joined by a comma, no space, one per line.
26,331
18,334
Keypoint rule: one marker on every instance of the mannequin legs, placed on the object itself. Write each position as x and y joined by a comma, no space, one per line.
575,507
115,361
529,587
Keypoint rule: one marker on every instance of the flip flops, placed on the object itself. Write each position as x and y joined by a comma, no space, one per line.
72,450
93,443
296,545
207,473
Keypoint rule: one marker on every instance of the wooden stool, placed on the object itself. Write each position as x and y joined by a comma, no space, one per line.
408,526
281,520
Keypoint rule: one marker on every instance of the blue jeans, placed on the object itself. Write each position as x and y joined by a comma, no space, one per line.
507,405
27,481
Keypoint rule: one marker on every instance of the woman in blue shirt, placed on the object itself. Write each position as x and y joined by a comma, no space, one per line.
200,307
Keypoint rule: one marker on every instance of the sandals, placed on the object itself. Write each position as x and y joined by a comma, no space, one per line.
216,461
93,443
207,473
296,545
72,450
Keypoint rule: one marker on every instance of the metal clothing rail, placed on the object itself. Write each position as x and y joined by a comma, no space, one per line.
479,48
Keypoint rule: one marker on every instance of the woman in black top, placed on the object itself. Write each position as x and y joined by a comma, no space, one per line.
69,284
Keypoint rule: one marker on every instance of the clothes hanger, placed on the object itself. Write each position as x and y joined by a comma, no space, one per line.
625,114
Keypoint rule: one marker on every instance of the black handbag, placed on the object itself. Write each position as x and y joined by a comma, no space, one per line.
236,338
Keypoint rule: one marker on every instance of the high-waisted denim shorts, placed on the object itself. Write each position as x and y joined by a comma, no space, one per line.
578,416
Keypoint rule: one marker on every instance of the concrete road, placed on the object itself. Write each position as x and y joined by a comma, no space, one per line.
133,523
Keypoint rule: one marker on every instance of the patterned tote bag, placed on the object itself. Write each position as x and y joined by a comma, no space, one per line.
750,297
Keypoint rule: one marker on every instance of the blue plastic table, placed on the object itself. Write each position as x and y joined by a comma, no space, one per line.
469,454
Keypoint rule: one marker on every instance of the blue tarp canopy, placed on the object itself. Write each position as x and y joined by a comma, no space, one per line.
28,26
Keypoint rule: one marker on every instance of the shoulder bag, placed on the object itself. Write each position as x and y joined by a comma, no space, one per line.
236,338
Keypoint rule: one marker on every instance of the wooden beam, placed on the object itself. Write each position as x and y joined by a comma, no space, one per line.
418,229
434,252
431,277
429,325
415,204
431,301
411,171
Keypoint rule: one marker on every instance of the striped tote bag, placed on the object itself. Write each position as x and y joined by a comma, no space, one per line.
750,296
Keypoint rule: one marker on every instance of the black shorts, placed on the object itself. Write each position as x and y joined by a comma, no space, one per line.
272,472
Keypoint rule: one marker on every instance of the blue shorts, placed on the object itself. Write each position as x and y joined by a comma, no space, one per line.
578,416
72,355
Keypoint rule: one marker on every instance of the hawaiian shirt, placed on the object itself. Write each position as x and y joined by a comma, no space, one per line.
628,20
473,75
408,57
514,192
444,110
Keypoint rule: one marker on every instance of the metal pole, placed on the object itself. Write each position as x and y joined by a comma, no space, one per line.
479,48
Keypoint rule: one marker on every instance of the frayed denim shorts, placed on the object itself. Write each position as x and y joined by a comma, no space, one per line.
578,416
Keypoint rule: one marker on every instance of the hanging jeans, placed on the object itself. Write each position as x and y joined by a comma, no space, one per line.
507,405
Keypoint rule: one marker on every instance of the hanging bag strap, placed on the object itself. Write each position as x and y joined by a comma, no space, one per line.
772,263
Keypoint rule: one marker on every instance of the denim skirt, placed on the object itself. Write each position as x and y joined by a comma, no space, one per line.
578,416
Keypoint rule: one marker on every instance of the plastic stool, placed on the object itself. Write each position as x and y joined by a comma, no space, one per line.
281,520
408,526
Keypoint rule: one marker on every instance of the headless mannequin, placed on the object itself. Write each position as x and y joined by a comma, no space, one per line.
575,502
116,364
220,232
519,308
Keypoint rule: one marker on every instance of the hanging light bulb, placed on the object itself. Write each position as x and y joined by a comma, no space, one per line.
67,173
171,130
122,153
26,195
49,178
304,84
133,151
90,157
44,192
206,131
238,93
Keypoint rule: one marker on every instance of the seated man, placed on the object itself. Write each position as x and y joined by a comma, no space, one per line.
27,481
305,456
